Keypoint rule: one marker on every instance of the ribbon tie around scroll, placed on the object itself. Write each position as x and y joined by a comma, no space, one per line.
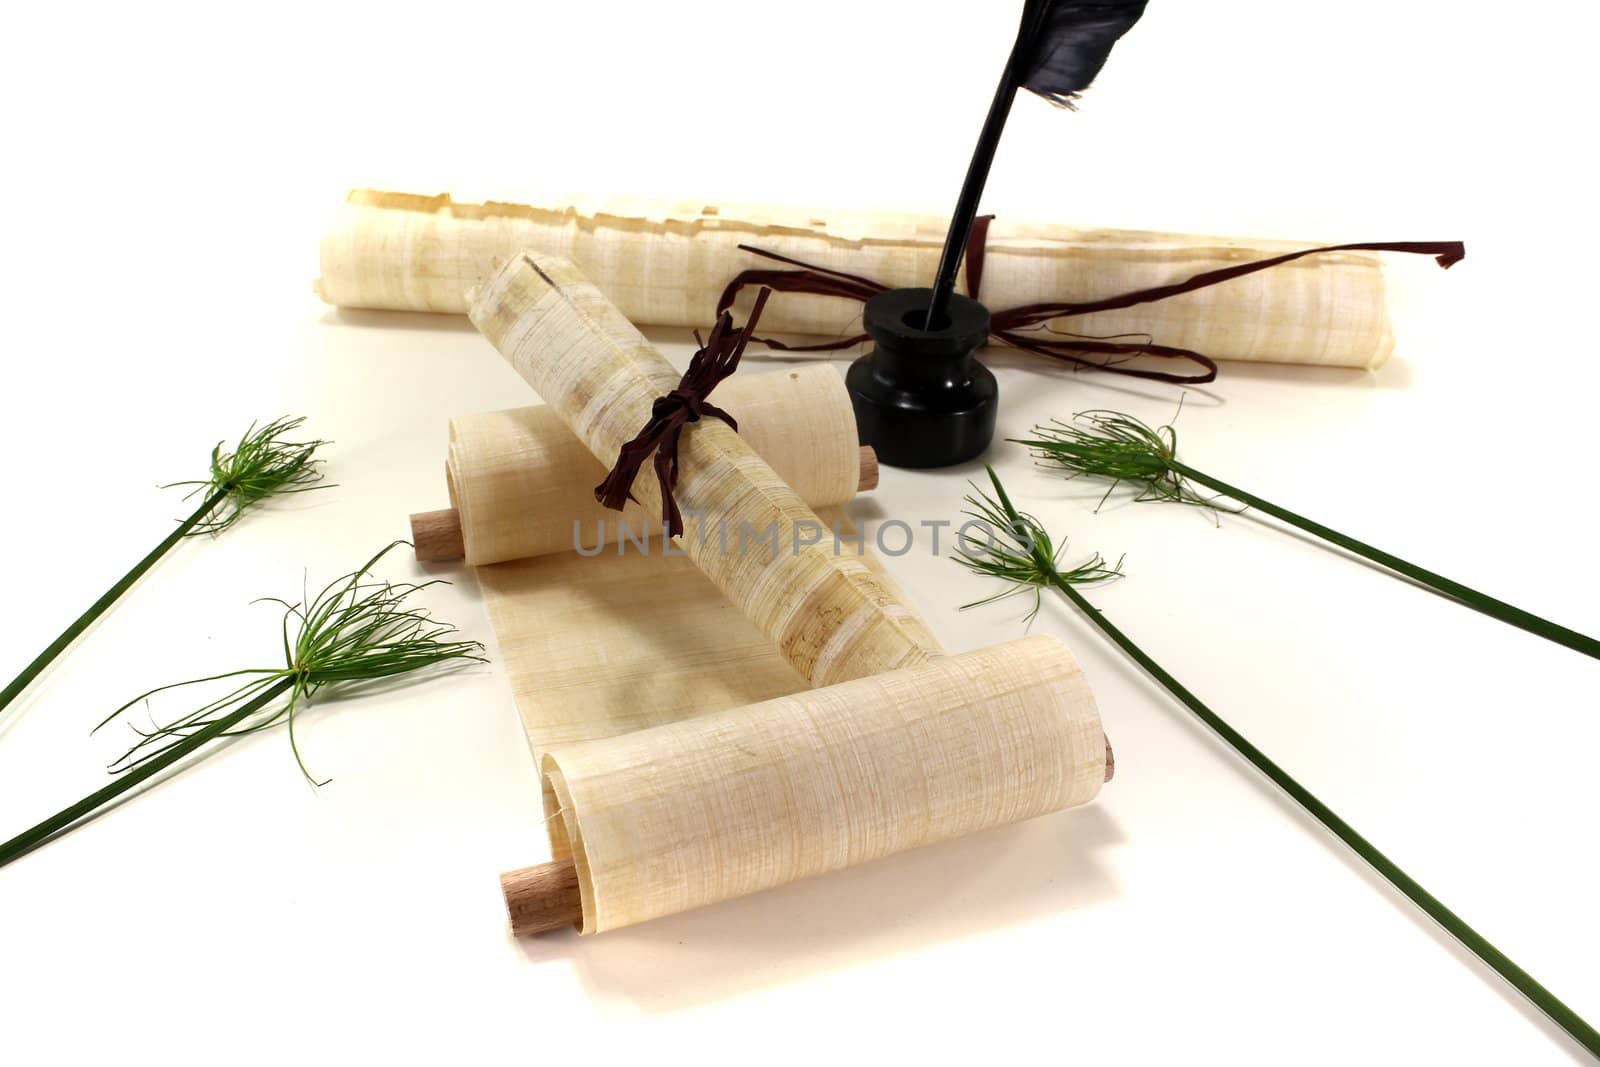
1009,325
717,358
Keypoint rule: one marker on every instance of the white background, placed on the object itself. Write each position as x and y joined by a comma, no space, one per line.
167,172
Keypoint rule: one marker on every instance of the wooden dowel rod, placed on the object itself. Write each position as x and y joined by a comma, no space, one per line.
438,537
869,470
545,898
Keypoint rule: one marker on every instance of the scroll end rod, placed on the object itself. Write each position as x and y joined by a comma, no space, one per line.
542,898
437,535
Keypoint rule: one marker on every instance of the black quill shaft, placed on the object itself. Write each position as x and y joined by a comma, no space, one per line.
1061,46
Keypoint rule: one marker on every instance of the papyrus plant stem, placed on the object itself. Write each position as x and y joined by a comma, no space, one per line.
1126,451
260,465
1029,561
356,631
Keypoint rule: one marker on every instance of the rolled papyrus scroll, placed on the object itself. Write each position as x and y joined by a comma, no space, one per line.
690,813
663,793
523,484
745,529
666,265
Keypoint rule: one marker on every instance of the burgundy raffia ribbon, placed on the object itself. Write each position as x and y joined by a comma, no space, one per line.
1008,325
717,358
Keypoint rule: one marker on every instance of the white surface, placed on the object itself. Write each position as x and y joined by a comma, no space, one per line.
234,914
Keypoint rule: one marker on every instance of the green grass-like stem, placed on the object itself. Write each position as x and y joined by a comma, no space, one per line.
354,631
62,820
260,465
109,597
1472,598
1123,450
1044,573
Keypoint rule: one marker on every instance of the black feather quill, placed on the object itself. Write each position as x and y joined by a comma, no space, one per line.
1073,43
1061,47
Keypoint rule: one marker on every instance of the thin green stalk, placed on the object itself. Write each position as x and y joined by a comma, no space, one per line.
1123,450
1457,927
354,631
1472,598
109,597
31,839
1030,537
261,464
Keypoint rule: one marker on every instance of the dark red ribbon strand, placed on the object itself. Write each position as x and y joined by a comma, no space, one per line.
1009,325
717,358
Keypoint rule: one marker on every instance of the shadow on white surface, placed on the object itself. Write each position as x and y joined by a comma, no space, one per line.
369,318
940,893
462,579
1395,374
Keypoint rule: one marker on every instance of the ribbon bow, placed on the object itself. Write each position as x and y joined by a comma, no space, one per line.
1008,325
717,358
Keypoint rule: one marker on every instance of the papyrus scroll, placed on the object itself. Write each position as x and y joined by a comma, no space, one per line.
666,264
524,485
828,614
721,721
717,806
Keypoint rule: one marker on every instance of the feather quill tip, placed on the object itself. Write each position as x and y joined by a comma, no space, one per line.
1072,39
